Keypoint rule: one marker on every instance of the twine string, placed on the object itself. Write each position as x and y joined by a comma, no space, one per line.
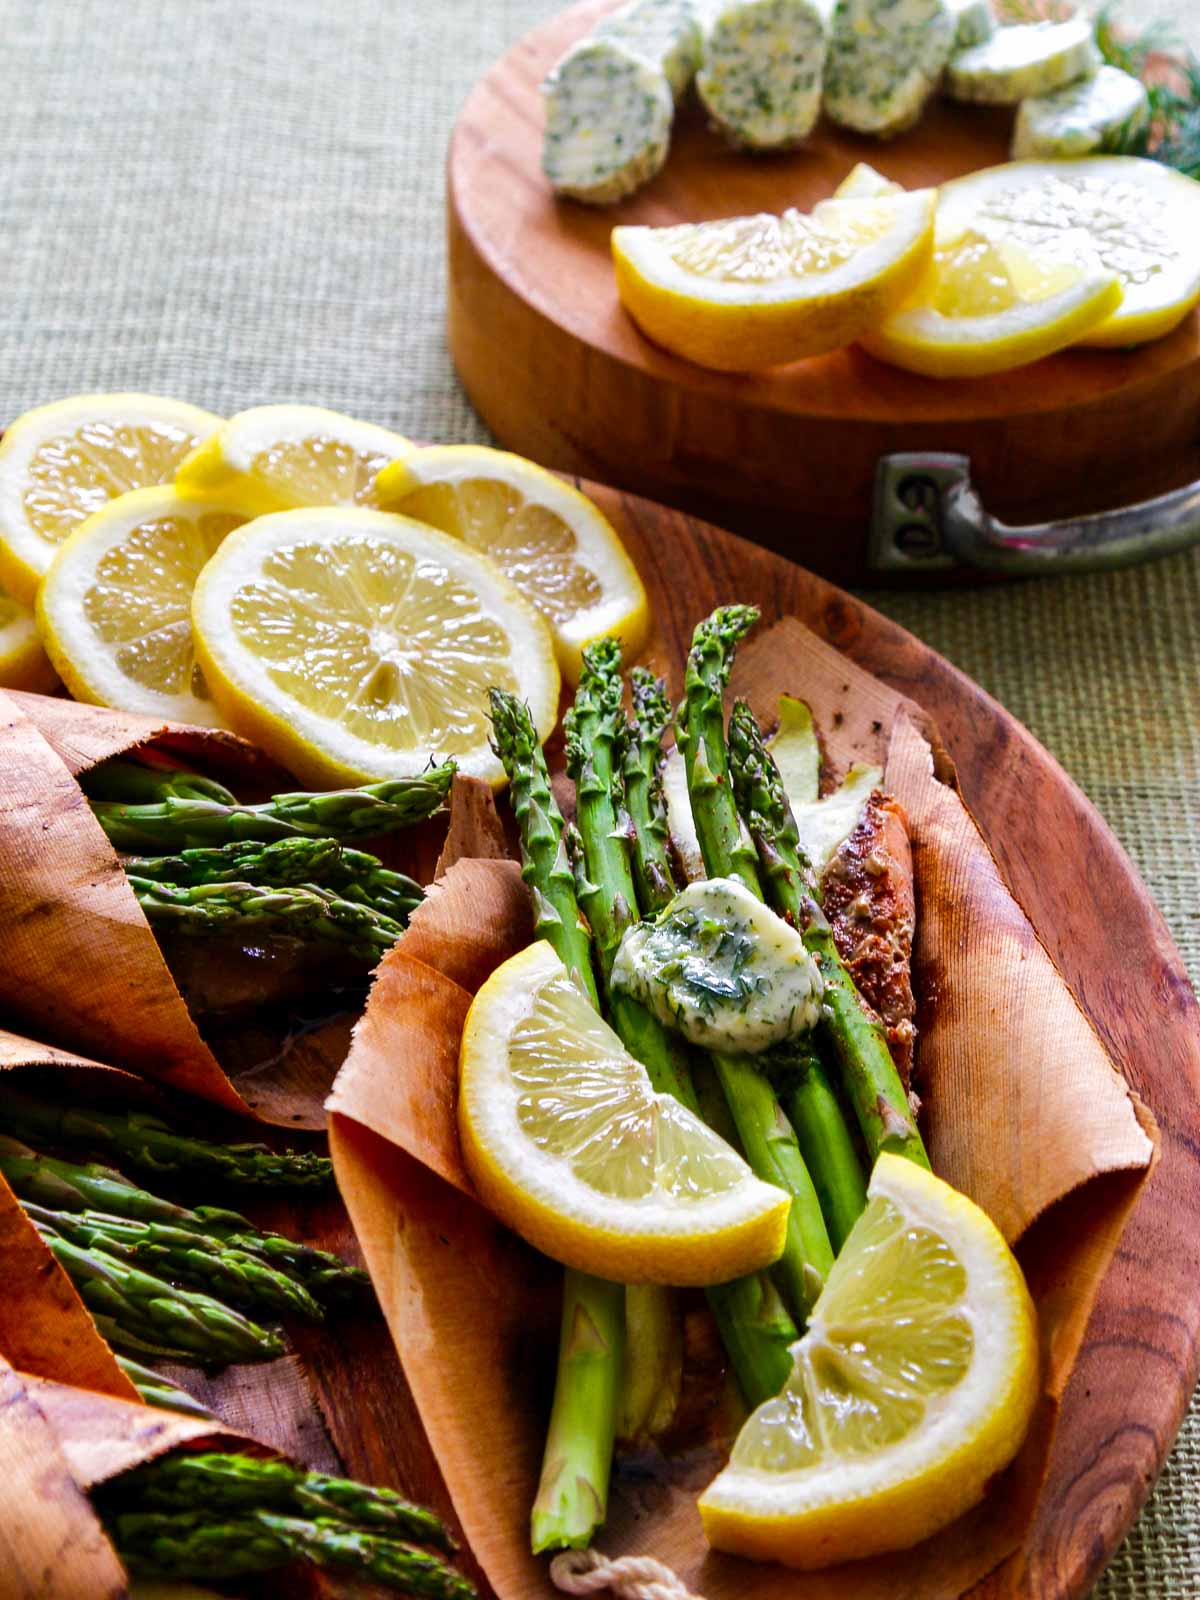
584,1572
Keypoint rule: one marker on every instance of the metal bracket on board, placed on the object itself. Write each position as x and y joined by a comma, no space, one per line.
927,517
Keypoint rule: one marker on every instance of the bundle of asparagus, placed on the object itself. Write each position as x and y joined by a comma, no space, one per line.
591,883
160,1279
217,1515
203,863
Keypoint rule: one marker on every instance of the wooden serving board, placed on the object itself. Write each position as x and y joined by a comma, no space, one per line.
1139,1362
786,457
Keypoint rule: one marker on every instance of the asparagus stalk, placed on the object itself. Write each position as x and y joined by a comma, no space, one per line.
572,1495
158,1391
254,911
134,783
170,1544
651,855
872,1083
221,1481
352,874
231,1275
595,728
176,823
147,1143
767,1137
812,1107
145,1314
753,1322
63,1185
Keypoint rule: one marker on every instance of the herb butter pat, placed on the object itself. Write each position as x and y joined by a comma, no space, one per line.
663,32
885,59
760,69
722,969
608,122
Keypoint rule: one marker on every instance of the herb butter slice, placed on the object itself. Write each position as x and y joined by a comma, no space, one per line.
722,969
608,122
1095,115
760,69
663,32
1027,58
885,59
974,21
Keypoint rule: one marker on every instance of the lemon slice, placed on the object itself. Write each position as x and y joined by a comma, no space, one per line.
1116,214
115,608
23,662
61,462
276,458
544,535
568,1144
356,645
913,1385
762,290
987,306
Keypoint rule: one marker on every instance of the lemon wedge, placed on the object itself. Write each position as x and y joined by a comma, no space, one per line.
23,662
115,608
1120,215
277,458
987,306
63,461
552,542
356,645
914,1384
568,1144
761,290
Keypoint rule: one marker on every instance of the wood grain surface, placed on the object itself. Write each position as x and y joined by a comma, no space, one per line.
788,456
346,1399
1139,1362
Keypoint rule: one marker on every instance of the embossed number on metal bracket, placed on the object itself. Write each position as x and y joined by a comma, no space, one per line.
927,517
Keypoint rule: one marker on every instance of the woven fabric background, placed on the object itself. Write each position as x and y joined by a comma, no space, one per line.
238,201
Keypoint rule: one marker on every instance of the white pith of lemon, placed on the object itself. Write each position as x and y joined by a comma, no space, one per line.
552,542
61,462
355,645
758,291
568,1143
115,608
1119,214
277,458
914,1384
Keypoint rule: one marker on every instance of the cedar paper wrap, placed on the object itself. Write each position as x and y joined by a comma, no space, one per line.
79,963
1024,1111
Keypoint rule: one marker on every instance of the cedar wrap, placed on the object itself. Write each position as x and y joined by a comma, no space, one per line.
1026,1113
79,964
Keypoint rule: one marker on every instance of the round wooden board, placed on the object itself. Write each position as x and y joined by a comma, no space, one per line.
1139,1361
786,457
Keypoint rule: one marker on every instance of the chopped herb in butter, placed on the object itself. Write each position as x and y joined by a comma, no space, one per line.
760,69
722,969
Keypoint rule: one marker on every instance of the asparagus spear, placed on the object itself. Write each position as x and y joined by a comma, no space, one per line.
221,1481
175,823
134,783
254,911
158,1391
170,1544
145,1314
149,1144
643,791
753,1322
572,1495
595,729
232,1275
767,1137
872,1083
353,874
63,1185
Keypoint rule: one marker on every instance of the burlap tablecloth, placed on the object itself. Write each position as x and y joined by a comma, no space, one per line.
237,201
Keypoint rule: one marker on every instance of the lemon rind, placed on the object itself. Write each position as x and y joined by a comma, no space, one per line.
253,707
